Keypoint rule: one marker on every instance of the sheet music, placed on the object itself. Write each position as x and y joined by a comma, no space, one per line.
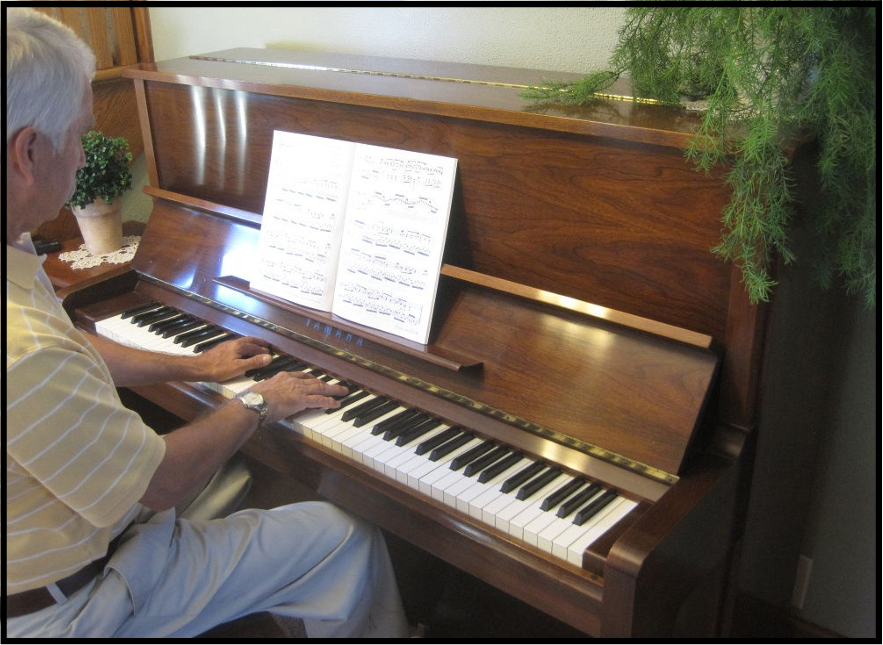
397,219
303,218
355,229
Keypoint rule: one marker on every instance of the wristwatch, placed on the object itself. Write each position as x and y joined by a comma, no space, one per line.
254,401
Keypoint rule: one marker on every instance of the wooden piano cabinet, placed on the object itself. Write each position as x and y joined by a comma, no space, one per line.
664,574
586,322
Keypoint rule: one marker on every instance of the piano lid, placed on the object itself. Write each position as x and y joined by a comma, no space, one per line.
431,87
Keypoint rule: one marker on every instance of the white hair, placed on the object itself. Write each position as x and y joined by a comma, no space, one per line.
47,71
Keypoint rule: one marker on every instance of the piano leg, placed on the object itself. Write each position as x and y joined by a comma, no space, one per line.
693,558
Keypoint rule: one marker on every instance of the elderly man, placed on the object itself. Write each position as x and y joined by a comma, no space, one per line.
93,545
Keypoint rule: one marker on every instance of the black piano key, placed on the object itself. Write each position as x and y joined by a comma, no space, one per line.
208,344
319,374
395,420
501,466
374,413
562,493
255,371
415,433
158,308
158,326
393,432
349,399
185,336
363,408
450,446
488,460
128,313
521,476
472,454
592,508
291,364
437,440
536,484
209,332
578,500
182,328
148,317
275,365
298,365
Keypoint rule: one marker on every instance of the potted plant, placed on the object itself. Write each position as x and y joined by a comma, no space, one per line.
100,183
768,75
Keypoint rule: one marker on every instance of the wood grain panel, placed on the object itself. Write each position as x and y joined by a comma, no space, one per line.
619,224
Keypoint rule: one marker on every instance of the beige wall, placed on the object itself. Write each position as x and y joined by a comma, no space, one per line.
571,39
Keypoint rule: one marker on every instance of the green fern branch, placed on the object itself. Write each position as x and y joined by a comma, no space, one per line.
769,74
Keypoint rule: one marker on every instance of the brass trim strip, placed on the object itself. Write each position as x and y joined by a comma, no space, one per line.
519,422
422,77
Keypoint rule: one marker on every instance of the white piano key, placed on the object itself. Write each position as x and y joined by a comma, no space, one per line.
474,488
321,421
406,470
331,432
459,484
339,440
514,507
609,516
492,490
378,452
530,524
546,537
435,470
349,440
398,467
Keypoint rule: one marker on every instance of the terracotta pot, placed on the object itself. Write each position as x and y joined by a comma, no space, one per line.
101,226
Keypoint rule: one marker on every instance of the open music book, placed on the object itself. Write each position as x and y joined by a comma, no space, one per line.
356,230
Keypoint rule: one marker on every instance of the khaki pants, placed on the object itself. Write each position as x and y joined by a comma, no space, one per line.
179,578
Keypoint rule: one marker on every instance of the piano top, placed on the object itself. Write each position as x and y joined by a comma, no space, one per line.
486,92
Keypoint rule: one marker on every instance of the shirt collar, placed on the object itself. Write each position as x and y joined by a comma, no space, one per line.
22,264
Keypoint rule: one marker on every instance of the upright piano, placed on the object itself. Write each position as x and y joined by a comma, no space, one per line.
588,350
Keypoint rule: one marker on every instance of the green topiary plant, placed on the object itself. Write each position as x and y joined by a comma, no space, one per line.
770,75
106,174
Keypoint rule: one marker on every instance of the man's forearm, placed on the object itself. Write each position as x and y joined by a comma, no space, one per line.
197,450
129,366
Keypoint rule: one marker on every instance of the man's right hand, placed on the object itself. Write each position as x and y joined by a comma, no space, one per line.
288,393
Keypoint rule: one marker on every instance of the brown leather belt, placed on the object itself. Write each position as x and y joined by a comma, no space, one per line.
27,602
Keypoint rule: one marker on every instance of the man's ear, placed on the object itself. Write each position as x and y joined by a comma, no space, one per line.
23,155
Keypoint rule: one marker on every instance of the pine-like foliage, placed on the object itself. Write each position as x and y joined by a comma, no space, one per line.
772,75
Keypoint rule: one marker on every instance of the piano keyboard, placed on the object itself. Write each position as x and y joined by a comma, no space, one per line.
531,501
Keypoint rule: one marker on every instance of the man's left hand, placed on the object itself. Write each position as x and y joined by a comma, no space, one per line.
232,358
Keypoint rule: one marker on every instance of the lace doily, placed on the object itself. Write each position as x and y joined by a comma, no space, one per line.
82,259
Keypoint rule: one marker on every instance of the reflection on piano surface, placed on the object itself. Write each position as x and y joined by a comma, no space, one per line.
572,434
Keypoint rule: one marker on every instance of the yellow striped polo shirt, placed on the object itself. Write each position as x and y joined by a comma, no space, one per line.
77,461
